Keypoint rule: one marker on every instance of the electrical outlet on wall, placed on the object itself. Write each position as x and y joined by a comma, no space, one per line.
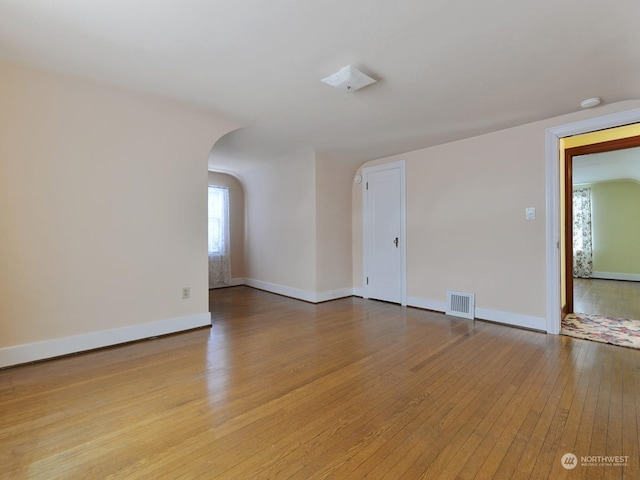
186,293
530,213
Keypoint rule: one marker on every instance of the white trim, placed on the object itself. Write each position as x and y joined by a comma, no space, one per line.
515,319
358,292
334,294
553,164
630,277
507,318
234,282
401,164
427,304
298,294
281,290
30,352
552,139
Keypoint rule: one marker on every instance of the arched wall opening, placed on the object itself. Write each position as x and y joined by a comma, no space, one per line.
297,235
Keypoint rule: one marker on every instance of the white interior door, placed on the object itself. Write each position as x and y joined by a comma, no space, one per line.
384,233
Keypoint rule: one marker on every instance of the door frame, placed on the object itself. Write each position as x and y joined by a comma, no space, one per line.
569,153
553,165
401,165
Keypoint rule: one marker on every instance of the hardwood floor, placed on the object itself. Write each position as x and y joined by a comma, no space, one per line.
614,298
347,389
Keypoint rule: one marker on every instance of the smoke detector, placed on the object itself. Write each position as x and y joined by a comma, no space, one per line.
590,102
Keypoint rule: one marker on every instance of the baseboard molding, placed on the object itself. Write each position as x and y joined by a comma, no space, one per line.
630,277
427,304
334,294
234,282
298,294
515,319
31,352
358,292
281,289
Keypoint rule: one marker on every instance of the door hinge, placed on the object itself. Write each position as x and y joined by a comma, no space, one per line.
367,185
367,280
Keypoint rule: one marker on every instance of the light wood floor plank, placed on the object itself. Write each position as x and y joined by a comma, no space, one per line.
569,417
613,298
348,389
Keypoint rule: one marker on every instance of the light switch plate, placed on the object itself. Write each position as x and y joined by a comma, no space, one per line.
530,213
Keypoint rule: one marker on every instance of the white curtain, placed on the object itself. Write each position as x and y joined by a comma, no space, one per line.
582,244
219,262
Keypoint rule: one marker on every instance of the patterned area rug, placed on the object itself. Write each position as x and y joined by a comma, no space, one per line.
616,331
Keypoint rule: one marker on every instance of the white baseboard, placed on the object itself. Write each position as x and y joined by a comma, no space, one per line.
234,282
30,352
281,290
632,277
334,294
296,293
358,292
516,319
427,304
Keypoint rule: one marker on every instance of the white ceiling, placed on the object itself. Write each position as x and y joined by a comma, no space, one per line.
604,167
447,69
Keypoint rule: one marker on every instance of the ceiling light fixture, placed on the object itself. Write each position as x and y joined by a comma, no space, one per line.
591,102
349,79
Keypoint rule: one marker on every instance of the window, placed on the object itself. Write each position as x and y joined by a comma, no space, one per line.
218,207
582,239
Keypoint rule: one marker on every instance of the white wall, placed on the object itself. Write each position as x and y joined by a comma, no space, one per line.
103,200
466,227
280,238
103,207
334,178
298,213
